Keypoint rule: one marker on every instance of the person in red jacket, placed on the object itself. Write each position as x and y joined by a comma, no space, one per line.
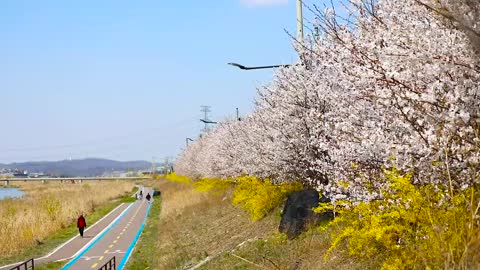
81,224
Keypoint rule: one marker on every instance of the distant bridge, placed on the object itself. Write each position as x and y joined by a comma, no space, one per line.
71,179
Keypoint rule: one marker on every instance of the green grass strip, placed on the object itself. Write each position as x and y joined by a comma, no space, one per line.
50,266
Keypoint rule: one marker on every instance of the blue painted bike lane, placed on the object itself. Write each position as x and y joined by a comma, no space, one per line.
118,241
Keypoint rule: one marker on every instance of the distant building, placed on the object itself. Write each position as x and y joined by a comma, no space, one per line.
20,173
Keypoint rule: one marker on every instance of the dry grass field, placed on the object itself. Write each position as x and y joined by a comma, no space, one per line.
196,230
48,208
190,226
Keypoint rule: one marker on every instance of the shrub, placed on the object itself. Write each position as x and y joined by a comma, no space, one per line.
416,227
215,185
52,206
258,197
178,178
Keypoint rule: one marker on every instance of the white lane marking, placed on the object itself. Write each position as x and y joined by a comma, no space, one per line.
64,259
89,258
115,252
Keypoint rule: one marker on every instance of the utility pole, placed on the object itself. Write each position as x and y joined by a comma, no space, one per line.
205,110
299,21
166,166
153,166
238,116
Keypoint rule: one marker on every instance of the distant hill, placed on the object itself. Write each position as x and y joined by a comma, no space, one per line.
78,167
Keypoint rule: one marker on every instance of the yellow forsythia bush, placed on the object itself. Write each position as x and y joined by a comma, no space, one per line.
215,185
415,227
259,197
178,178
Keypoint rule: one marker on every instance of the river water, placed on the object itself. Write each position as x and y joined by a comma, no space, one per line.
10,193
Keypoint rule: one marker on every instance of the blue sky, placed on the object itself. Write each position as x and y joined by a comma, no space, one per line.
125,79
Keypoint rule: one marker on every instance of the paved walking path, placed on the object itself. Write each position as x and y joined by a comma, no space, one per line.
113,235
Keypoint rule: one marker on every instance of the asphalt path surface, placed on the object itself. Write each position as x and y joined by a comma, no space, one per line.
118,241
113,235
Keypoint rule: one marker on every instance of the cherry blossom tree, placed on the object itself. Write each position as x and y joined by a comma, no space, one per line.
387,83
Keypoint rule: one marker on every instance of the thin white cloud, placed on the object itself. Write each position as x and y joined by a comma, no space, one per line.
263,3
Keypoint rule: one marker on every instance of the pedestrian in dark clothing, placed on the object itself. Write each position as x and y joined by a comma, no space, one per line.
148,197
81,224
141,194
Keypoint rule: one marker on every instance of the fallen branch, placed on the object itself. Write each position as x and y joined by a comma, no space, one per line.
245,260
209,258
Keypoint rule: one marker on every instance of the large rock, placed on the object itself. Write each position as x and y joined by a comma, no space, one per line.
298,214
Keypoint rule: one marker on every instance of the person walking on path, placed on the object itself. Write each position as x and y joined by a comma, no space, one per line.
141,194
81,224
148,197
